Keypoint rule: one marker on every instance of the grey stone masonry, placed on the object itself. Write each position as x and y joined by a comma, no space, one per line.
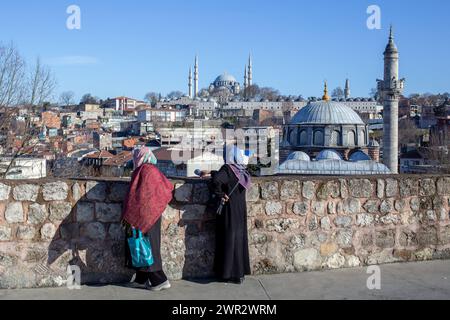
295,224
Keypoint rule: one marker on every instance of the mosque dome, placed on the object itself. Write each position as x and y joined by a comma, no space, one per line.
299,155
225,78
326,112
328,155
359,156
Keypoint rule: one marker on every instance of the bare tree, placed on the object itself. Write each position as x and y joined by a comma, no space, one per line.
270,94
67,98
89,99
175,95
12,74
152,98
41,85
338,93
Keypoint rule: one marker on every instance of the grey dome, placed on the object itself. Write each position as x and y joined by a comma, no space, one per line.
299,155
225,78
326,112
328,155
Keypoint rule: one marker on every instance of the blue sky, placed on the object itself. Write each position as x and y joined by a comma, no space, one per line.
136,46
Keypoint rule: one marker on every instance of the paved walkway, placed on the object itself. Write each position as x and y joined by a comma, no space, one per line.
424,280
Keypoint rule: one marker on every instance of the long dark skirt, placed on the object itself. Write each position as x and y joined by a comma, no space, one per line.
232,260
155,272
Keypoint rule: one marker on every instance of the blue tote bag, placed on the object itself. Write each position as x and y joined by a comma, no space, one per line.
141,250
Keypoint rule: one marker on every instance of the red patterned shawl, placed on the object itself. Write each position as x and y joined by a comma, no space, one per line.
150,193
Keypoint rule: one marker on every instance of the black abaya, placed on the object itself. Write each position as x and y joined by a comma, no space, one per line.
232,260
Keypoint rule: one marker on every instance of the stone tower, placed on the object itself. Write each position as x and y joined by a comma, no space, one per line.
347,89
190,83
390,88
196,77
250,71
245,78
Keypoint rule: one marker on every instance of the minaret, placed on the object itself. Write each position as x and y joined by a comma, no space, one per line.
196,77
250,71
190,82
245,78
326,97
391,88
347,89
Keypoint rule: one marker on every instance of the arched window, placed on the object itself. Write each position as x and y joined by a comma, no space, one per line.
335,138
362,138
318,138
293,136
303,138
351,138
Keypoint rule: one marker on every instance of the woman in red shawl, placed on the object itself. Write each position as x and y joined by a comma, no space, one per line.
150,193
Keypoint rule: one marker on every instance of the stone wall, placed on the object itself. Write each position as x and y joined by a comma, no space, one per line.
295,224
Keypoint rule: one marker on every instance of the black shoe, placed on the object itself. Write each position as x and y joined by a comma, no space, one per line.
236,281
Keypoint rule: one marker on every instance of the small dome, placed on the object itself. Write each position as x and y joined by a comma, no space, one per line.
359,156
328,155
373,143
299,155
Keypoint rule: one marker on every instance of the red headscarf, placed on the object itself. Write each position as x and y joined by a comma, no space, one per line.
150,193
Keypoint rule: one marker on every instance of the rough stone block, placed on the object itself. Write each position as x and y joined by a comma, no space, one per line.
331,208
387,206
70,231
391,188
116,232
427,236
60,211
55,191
380,188
255,209
26,232
349,206
200,193
270,190
274,208
385,238
343,221
282,225
336,261
290,190
96,190
26,192
344,238
14,213
319,208
85,212
183,192
94,231
443,187
427,187
301,208
390,219
77,193
408,238
193,212
253,194
409,188
307,259
108,212
4,192
118,192
361,188
5,233
364,220
309,190
325,223
171,213
37,213
328,189
48,231
372,206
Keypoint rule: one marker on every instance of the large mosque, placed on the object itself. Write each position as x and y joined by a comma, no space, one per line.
223,82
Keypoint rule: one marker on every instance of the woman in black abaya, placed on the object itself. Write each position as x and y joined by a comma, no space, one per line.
230,183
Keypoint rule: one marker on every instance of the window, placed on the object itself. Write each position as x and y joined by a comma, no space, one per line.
303,138
335,138
318,138
351,138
